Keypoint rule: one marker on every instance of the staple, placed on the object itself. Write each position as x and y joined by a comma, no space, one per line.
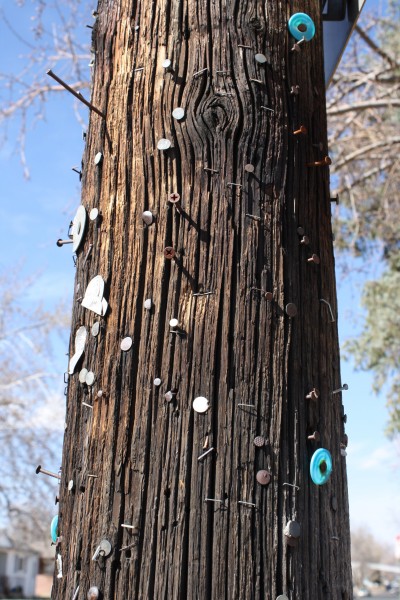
205,454
203,293
254,217
210,170
252,405
267,108
232,184
200,72
246,503
138,69
244,46
292,485
256,81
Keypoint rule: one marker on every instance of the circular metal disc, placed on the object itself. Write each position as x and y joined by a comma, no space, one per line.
94,213
166,63
147,217
178,113
148,304
259,441
263,477
157,381
173,323
260,58
90,378
163,144
291,309
98,158
82,375
126,344
201,404
78,227
249,168
95,329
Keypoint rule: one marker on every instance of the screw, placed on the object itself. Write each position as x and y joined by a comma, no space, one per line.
40,470
314,259
305,240
62,242
343,387
321,163
313,395
169,252
315,436
174,198
301,131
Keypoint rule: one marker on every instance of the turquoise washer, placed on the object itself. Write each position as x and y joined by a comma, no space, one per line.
54,529
301,19
321,458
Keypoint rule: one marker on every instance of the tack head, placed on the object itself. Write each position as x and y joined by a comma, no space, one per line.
126,344
291,309
201,404
148,304
157,381
178,113
82,375
94,213
260,58
173,323
249,168
95,329
163,144
90,378
147,217
98,158
168,396
166,63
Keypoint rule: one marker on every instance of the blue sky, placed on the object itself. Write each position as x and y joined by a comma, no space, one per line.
37,212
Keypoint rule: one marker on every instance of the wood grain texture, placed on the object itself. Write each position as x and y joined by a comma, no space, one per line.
234,346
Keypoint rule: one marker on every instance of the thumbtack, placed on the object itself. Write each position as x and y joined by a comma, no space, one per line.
246,503
254,217
314,259
313,395
74,93
200,72
300,131
305,240
321,163
157,382
344,387
40,470
330,309
294,90
169,252
62,242
315,436
205,454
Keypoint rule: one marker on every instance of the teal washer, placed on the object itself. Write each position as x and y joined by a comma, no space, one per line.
54,529
321,458
301,19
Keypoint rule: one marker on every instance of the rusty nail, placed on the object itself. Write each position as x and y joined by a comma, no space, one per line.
300,131
321,163
74,93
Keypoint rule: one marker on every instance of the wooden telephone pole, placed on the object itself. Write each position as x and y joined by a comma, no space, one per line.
213,238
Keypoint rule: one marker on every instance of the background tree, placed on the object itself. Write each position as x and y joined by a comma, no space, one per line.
364,116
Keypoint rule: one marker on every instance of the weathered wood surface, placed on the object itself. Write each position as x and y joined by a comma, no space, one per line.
238,346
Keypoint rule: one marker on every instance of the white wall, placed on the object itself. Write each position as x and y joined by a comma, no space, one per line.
21,570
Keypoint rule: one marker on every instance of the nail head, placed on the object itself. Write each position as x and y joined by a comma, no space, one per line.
90,378
259,441
98,158
157,381
163,144
148,303
263,477
147,217
260,58
166,63
173,323
126,344
95,329
291,309
178,113
94,213
249,168
201,404
82,375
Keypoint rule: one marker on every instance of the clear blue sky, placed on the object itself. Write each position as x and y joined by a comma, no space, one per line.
36,213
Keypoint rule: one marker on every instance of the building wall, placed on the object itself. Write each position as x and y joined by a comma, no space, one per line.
20,568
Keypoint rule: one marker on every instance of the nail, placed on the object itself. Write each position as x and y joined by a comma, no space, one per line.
344,387
330,309
205,445
315,436
246,503
292,485
138,69
200,72
74,597
40,470
313,395
249,168
56,500
169,252
321,163
300,230
222,72
336,199
133,527
86,404
268,295
74,93
314,259
300,131
267,108
167,65
205,454
98,159
305,240
62,242
77,171
210,170
254,217
213,500
294,90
